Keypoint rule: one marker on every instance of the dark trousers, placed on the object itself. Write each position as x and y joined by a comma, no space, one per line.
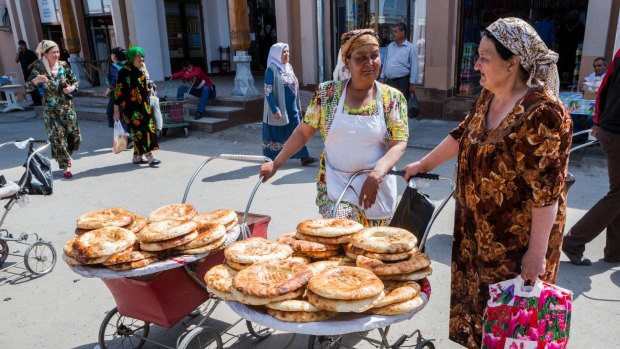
35,94
401,84
606,212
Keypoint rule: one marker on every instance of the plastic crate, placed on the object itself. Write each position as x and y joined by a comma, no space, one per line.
167,297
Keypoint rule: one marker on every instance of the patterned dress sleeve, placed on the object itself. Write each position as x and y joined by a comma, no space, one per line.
123,87
271,99
458,131
37,70
71,78
315,108
395,109
542,154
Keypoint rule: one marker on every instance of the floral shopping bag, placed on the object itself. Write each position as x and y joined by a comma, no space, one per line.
526,317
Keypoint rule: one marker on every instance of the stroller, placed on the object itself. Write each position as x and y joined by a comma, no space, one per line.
40,256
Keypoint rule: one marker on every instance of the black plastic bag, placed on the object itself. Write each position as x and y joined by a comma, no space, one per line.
413,106
413,212
39,178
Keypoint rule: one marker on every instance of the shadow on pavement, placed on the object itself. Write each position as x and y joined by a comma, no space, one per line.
579,279
100,171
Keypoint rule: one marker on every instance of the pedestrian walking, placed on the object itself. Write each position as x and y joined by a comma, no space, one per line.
59,115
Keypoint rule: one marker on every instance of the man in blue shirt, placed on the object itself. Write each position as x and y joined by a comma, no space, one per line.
400,67
546,29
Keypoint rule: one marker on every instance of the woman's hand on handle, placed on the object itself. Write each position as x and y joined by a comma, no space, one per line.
370,188
446,150
267,170
412,169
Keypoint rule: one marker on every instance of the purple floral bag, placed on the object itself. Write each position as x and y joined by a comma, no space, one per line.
526,317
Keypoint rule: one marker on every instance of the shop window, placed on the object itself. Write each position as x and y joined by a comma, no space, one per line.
566,20
381,15
97,7
185,33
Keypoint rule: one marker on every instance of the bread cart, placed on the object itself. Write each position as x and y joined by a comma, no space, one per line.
173,105
329,334
165,292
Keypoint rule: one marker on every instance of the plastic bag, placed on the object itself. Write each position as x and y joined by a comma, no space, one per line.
413,106
119,142
519,316
159,121
413,212
39,179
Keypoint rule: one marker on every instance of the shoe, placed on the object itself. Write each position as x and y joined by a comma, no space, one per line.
577,260
308,160
151,160
68,175
138,160
198,115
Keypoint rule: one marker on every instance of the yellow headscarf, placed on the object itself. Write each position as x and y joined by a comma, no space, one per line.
355,39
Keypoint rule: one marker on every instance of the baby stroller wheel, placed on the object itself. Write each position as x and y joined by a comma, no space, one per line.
40,258
4,251
117,330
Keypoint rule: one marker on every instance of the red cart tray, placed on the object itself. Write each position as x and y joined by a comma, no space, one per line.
167,297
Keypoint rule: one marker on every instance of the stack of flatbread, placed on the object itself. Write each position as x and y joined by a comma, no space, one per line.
110,217
321,238
400,297
226,217
390,253
242,254
344,289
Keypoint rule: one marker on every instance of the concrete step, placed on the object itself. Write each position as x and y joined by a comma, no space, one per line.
210,124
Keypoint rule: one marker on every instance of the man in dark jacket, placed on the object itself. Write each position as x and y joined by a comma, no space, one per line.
27,58
605,214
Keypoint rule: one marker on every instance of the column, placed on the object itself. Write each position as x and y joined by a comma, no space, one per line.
72,41
240,36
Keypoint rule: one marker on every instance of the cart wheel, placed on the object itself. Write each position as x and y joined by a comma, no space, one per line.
201,338
116,331
164,132
258,331
40,258
4,251
327,342
186,130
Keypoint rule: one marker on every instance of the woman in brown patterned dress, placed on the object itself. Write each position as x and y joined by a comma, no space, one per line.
512,152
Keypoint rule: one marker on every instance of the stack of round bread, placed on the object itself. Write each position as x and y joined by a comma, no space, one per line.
226,217
110,217
327,231
344,289
269,282
310,249
219,281
400,297
390,253
242,254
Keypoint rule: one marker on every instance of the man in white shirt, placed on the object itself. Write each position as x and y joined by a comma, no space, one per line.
400,67
593,81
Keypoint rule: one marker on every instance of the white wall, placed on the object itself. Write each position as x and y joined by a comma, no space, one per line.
149,28
217,29
597,24
309,42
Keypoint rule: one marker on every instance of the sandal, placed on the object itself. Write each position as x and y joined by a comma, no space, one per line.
138,160
151,160
68,175
308,160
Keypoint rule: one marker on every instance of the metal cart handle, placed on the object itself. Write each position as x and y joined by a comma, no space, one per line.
401,173
230,157
586,144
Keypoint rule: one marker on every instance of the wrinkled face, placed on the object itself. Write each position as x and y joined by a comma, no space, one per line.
285,56
53,54
364,63
494,71
599,67
138,60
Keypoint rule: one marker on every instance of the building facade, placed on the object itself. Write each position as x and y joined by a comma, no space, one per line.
445,32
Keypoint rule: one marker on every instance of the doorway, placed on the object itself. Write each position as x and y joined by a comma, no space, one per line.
263,32
184,24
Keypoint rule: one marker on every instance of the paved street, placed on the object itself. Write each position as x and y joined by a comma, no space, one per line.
64,309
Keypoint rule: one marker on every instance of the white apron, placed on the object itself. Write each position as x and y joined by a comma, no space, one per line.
356,143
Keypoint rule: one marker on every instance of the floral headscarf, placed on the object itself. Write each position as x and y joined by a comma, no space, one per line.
351,41
41,50
285,70
537,59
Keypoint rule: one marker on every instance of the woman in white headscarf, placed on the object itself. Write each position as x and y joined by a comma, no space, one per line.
512,153
282,110
59,115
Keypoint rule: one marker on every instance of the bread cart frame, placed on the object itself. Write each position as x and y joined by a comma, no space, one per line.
384,323
134,330
39,258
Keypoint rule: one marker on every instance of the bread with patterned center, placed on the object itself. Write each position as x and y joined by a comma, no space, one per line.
138,223
166,230
415,262
329,227
101,242
174,211
301,316
346,283
343,305
220,277
257,249
111,217
385,240
272,278
238,266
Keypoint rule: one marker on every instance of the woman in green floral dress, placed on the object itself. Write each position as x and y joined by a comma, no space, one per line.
132,96
60,118
364,125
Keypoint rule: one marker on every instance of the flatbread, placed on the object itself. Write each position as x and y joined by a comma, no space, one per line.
138,224
329,227
257,249
321,255
299,259
305,246
208,233
174,211
341,305
214,246
70,260
166,230
416,261
415,276
101,242
251,300
386,257
225,296
168,244
223,217
345,283
398,292
316,267
338,240
272,278
238,266
132,265
293,305
220,277
399,308
110,217
301,316
385,240
129,256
